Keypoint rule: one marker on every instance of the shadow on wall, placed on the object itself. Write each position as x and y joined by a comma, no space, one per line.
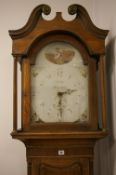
105,149
111,91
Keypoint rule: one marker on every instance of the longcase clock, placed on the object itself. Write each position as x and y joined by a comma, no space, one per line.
63,105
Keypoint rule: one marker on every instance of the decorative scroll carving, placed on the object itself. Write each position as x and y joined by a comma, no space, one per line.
35,15
81,27
86,20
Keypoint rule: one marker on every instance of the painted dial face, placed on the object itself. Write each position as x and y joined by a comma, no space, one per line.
59,85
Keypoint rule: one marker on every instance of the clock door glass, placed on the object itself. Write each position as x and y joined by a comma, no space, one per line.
59,85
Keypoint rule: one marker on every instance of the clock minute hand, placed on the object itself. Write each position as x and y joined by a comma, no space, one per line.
69,91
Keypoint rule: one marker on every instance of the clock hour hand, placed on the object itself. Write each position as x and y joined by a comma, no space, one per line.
68,92
60,95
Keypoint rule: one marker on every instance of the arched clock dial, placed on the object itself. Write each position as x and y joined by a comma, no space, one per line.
59,85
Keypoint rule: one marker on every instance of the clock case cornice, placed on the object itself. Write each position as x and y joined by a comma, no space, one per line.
81,28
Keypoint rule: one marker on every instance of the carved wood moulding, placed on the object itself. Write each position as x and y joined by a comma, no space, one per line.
82,28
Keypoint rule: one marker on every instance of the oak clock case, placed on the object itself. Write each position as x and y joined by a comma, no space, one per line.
63,106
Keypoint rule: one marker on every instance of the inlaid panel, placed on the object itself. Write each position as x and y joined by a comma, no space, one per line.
74,169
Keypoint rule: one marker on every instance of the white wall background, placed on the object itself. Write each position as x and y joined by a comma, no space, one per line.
13,15
104,17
